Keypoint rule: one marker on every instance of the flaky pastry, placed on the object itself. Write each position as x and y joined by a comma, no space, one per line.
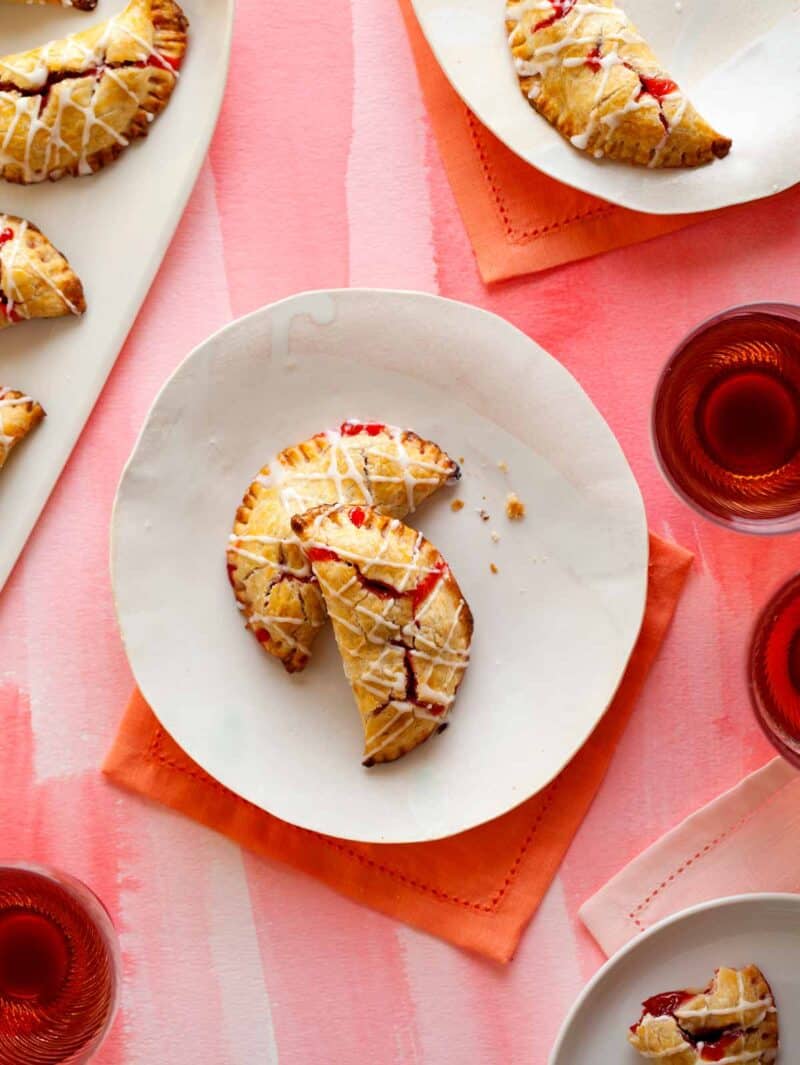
402,626
19,414
36,281
585,67
733,1020
71,106
361,462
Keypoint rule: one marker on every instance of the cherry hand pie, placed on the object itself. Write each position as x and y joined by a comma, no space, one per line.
401,623
73,105
370,463
733,1020
19,414
584,66
36,281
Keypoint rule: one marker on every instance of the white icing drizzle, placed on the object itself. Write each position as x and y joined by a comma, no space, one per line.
761,1007
547,56
9,261
388,673
298,490
70,52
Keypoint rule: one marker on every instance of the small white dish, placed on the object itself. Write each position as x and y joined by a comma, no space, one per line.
114,227
554,627
737,60
684,951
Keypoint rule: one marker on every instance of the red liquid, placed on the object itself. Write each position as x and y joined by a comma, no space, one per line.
34,957
775,670
727,416
57,973
749,422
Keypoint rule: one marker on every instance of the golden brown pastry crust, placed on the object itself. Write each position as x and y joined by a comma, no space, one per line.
19,414
71,106
402,626
371,463
734,1019
585,67
36,281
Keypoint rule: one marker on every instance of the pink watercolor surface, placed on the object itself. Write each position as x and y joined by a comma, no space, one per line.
323,172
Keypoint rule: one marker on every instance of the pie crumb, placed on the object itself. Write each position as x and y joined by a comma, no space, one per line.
493,568
502,465
515,508
484,514
495,537
456,505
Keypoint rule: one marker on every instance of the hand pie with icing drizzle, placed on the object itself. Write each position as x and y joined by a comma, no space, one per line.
36,281
361,462
19,414
402,626
71,106
584,66
733,1020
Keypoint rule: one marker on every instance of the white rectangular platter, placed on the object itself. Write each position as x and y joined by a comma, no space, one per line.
114,227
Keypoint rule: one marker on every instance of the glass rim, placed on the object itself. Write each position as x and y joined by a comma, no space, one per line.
782,526
99,914
763,623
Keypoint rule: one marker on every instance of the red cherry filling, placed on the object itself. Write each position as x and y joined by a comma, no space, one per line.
262,635
355,428
157,60
594,57
231,570
561,8
657,87
666,1004
358,517
322,554
6,235
7,310
382,589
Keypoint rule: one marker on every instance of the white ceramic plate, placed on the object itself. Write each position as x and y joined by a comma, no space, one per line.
114,227
738,60
554,628
684,951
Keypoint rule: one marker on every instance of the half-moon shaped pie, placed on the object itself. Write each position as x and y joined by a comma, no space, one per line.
361,462
586,68
733,1020
74,104
36,281
402,626
19,414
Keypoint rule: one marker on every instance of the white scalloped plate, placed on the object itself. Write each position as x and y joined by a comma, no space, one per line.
114,227
554,628
684,951
739,61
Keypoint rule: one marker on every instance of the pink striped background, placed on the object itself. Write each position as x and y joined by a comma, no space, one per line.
323,173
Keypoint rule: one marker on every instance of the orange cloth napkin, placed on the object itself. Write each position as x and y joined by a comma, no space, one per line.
518,220
478,889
